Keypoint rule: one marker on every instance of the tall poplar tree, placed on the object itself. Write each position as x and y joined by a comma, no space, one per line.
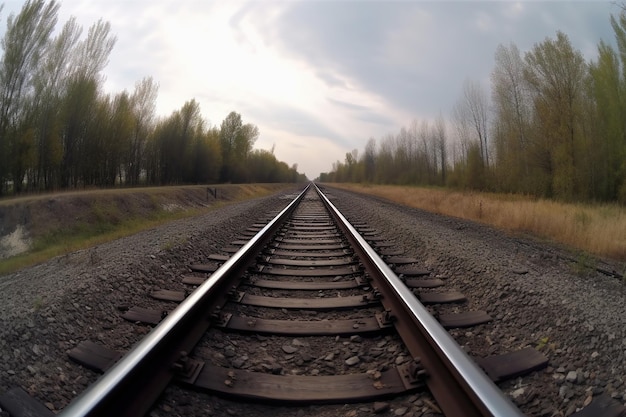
25,41
556,72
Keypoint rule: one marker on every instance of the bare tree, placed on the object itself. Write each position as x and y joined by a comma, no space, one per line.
440,145
143,103
473,108
369,160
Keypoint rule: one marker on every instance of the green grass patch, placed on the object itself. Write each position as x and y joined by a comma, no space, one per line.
85,234
66,222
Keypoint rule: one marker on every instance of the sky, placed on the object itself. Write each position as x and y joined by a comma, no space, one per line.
320,77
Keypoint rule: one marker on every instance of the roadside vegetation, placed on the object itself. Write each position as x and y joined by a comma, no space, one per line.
595,228
67,222
85,235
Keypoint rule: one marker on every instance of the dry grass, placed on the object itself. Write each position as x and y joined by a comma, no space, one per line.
599,229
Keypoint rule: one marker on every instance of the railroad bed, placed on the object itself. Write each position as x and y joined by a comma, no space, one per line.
356,320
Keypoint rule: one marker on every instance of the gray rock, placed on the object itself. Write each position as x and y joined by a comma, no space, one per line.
297,342
570,410
37,350
380,407
517,393
571,376
239,362
353,360
289,349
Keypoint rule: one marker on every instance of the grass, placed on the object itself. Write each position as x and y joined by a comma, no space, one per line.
113,214
599,229
85,235
38,303
174,242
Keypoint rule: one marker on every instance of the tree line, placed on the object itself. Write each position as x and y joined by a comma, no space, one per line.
59,130
553,126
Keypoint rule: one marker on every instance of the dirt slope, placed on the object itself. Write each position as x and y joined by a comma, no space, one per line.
24,219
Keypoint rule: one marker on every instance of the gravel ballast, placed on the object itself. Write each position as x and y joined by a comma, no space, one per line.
538,298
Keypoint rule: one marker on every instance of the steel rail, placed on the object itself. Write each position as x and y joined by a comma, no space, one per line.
144,372
460,387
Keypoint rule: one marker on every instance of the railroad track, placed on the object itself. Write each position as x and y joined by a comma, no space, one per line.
306,281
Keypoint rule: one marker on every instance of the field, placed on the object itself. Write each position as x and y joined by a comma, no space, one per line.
599,229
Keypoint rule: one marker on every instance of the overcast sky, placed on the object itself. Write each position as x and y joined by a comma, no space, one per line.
319,78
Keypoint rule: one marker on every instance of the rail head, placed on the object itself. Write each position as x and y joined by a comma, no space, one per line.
460,386
139,370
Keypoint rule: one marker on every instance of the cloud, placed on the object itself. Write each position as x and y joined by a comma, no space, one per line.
365,114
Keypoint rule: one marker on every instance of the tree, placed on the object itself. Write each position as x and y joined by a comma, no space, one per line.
50,82
77,109
189,137
512,114
369,160
471,115
608,95
143,103
92,54
26,38
229,130
475,174
79,106
264,167
440,146
425,170
351,166
384,161
236,140
57,128
120,134
209,158
555,73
